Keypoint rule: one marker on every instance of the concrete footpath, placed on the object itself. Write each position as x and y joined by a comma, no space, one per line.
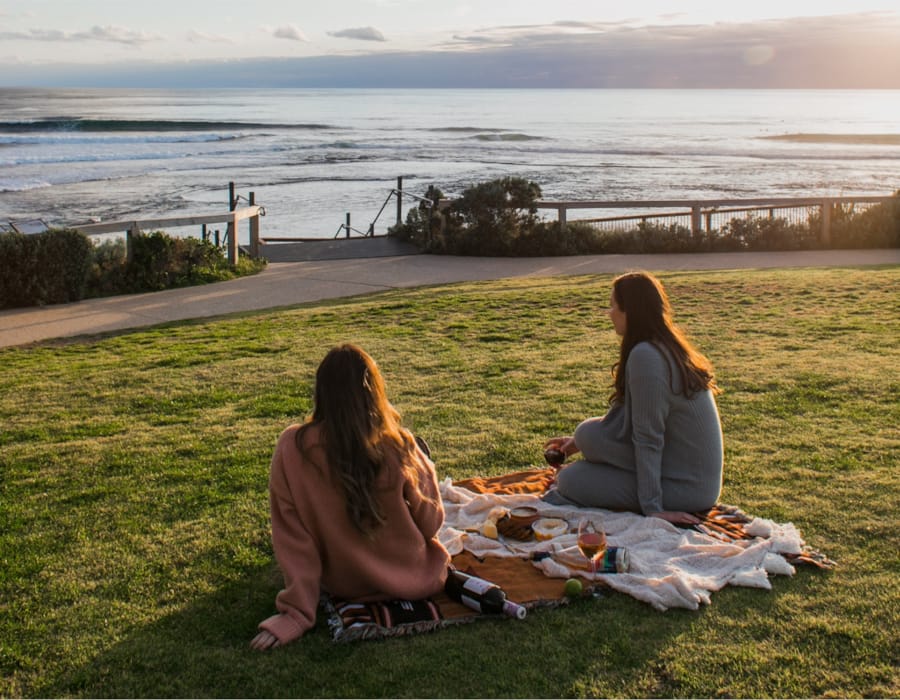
290,283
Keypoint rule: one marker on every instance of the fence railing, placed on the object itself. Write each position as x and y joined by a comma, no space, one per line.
134,227
712,212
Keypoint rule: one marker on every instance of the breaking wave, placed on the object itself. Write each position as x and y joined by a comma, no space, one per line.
144,125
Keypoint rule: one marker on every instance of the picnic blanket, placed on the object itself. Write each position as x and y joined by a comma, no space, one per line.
669,566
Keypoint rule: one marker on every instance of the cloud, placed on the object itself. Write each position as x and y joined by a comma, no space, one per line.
857,51
510,35
288,31
360,33
474,39
195,36
109,33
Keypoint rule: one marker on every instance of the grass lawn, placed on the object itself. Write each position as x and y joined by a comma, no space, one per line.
134,546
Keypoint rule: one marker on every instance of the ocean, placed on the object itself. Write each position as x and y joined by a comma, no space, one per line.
311,156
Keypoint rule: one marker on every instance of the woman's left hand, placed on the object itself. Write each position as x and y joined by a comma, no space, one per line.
678,517
264,640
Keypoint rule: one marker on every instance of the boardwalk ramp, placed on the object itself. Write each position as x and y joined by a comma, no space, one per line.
303,249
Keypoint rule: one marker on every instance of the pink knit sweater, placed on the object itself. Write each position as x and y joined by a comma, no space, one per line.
318,548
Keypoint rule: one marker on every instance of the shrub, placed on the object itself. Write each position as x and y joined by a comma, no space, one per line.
160,261
422,225
499,218
107,274
874,227
18,282
490,218
763,233
547,238
64,257
44,268
151,262
63,265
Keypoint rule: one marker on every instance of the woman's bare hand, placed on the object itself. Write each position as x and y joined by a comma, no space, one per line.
564,444
678,517
264,640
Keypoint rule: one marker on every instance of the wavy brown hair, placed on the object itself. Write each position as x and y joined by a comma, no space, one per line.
358,427
648,318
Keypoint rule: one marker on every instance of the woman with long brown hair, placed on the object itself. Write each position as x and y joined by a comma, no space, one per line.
658,450
354,502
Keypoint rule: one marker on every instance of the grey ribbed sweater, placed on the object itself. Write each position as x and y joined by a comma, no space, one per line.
656,450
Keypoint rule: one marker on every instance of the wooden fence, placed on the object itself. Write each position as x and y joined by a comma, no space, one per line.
695,212
700,211
134,227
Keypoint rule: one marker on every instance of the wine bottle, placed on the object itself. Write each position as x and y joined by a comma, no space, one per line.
481,595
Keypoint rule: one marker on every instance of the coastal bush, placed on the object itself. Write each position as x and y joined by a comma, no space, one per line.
151,262
490,218
160,261
63,265
17,265
763,233
64,257
500,218
107,274
45,268
874,227
547,238
423,224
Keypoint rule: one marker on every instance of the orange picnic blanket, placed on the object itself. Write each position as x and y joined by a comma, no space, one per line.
523,582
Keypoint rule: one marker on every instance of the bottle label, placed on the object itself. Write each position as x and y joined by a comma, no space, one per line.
477,586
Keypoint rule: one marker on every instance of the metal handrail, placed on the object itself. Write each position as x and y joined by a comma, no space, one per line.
395,192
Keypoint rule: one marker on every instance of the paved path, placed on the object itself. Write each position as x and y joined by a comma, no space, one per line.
284,284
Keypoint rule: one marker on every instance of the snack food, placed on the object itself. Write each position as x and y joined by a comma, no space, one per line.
548,528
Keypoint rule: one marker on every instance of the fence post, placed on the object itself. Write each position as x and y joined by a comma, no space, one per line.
231,228
561,217
130,233
399,201
254,229
232,240
825,235
347,226
695,220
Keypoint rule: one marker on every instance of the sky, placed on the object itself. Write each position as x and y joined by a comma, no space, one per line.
431,43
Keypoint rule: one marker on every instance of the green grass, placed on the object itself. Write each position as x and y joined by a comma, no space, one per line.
134,547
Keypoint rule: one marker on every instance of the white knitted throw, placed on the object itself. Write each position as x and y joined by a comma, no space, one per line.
669,567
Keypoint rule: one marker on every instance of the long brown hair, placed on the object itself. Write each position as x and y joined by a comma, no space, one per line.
648,318
358,427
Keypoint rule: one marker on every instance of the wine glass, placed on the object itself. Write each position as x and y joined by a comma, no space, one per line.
591,543
555,458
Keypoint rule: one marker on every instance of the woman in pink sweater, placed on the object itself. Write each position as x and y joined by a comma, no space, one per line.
354,502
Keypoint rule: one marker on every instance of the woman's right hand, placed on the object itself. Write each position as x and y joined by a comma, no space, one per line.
564,444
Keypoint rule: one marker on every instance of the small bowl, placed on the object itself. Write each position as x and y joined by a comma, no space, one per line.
524,515
517,524
548,528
